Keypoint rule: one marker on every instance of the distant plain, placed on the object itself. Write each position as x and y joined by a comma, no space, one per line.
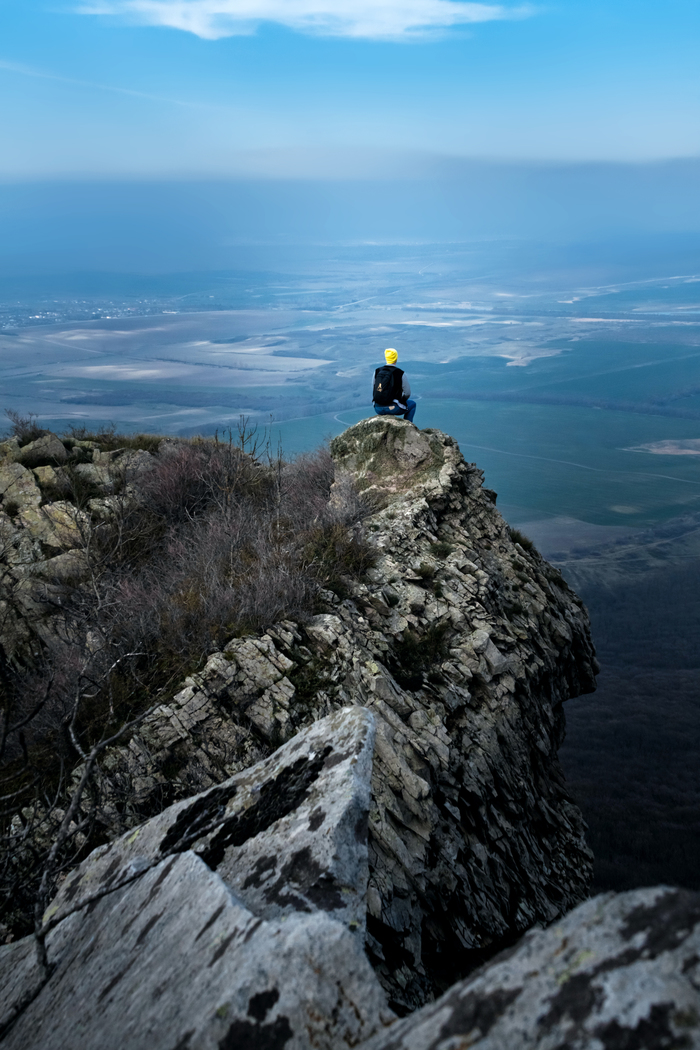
571,392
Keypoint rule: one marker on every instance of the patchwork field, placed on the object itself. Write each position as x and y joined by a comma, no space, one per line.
580,401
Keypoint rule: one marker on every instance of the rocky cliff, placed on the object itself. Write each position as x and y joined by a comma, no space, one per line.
234,921
469,646
353,810
464,644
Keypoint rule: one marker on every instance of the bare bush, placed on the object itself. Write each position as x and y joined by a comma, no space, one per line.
110,441
24,428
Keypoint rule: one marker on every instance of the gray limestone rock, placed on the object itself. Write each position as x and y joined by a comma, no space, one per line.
47,476
20,980
384,460
18,486
175,960
135,461
224,719
98,476
70,567
47,449
620,971
107,508
57,526
472,834
124,464
288,835
9,449
464,646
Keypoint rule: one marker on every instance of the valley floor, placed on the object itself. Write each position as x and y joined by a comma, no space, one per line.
632,751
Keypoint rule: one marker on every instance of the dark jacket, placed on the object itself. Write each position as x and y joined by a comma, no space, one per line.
405,385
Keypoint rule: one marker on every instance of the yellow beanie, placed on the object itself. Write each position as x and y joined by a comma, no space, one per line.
391,356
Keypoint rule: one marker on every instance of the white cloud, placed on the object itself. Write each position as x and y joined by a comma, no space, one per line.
362,19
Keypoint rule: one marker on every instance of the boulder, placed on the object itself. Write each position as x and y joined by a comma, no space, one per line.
67,568
47,476
57,526
233,919
118,469
98,476
9,449
174,959
136,461
129,460
394,455
620,971
288,835
106,508
35,521
46,450
18,486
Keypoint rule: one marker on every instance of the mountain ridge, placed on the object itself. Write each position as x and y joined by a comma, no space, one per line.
374,789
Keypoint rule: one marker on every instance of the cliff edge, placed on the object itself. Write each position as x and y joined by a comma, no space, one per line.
470,645
463,644
353,809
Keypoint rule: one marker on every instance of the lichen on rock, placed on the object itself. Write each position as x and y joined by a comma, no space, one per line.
621,970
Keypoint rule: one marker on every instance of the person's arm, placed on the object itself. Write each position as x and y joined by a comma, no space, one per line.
406,389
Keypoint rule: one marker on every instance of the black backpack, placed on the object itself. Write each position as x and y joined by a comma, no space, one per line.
388,385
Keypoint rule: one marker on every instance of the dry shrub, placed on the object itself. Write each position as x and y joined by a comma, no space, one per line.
110,441
24,428
226,543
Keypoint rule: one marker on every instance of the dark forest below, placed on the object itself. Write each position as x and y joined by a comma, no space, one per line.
632,752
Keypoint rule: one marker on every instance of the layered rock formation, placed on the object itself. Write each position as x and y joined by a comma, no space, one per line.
464,645
485,841
43,535
414,818
234,920
186,933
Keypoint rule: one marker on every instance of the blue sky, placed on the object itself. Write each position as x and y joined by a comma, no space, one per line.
218,88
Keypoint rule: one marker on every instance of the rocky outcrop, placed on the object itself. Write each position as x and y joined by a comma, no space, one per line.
233,920
287,835
353,812
484,841
150,948
175,960
621,970
464,644
43,534
47,450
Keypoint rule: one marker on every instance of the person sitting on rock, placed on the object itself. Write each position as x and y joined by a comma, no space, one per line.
391,390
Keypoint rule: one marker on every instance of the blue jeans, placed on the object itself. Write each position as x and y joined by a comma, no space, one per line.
394,410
